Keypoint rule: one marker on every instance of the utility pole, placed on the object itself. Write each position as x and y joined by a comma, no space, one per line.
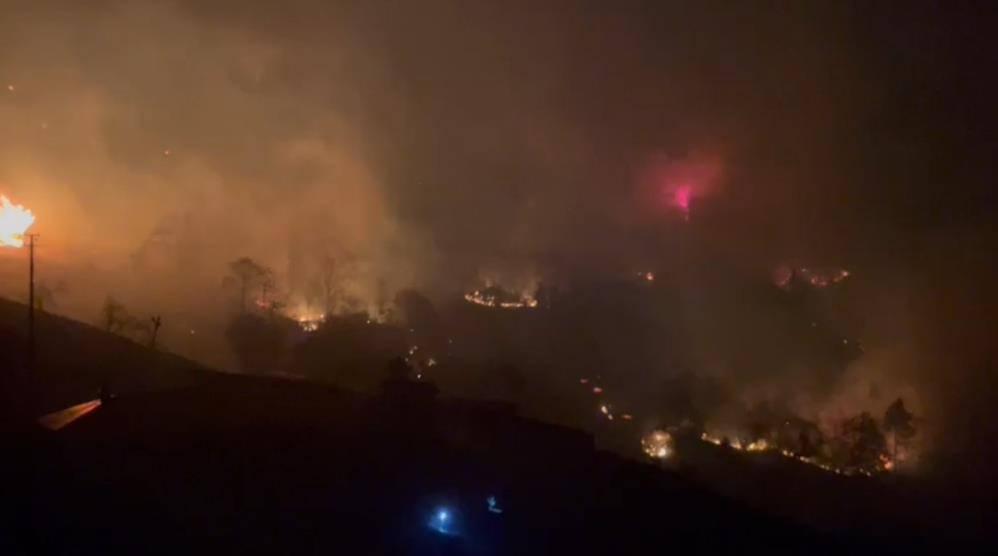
31,301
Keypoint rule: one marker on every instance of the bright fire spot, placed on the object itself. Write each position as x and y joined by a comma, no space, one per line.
486,299
597,390
310,323
886,462
583,381
647,276
626,416
14,223
657,444
712,439
757,446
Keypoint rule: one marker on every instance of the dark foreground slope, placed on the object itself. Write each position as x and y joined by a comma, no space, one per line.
186,460
73,360
241,464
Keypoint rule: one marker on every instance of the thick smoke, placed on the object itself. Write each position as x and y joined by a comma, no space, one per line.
445,145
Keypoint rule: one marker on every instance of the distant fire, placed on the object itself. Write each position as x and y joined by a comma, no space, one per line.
762,445
498,298
14,223
657,444
308,320
311,324
785,276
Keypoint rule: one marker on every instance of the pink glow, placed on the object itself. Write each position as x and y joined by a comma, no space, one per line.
676,183
681,198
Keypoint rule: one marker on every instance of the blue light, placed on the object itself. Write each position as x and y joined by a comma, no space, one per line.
442,522
493,505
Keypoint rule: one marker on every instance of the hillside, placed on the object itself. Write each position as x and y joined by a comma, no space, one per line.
73,360
185,458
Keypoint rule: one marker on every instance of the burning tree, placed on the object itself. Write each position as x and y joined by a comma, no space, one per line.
898,422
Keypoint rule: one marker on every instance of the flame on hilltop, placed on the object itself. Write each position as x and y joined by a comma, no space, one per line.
14,223
657,444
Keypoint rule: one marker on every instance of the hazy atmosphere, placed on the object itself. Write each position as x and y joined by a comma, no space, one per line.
712,189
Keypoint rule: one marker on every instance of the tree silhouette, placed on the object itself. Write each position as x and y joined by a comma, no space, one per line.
897,421
114,316
250,274
865,442
157,321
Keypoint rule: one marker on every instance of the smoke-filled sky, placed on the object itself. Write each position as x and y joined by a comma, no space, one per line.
439,140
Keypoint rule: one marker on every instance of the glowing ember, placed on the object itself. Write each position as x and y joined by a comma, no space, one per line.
487,299
657,444
597,390
886,462
14,223
712,439
784,276
757,446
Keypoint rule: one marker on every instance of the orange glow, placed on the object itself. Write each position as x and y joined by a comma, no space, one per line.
14,223
59,419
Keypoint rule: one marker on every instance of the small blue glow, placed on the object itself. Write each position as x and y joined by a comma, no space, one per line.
442,522
493,505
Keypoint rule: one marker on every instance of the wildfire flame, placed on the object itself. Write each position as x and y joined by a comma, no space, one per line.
486,300
14,223
762,445
657,444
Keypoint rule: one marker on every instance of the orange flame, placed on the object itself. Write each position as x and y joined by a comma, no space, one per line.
14,223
